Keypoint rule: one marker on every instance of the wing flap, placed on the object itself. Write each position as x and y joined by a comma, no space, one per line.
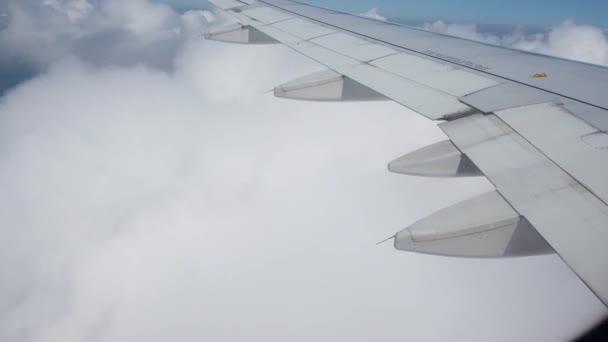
427,101
506,95
303,29
353,47
266,15
548,197
563,137
438,76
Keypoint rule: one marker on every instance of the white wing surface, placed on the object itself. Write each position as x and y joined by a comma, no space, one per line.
534,125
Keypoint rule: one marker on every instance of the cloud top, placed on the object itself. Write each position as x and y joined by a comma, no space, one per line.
108,32
374,14
568,40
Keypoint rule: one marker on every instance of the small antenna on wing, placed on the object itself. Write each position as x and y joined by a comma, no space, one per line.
389,238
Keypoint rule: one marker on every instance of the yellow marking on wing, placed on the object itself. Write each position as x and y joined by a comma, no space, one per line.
539,75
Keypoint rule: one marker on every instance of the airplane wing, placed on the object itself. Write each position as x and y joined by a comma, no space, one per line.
534,125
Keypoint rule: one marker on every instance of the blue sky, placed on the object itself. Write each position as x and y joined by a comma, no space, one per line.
502,12
531,13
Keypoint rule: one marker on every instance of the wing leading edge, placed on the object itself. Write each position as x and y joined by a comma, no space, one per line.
540,140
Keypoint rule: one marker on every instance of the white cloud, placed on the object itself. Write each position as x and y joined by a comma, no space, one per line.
74,9
110,32
140,16
469,31
150,203
568,40
373,13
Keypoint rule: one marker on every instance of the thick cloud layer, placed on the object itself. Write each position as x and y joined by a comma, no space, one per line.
115,32
177,201
568,40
